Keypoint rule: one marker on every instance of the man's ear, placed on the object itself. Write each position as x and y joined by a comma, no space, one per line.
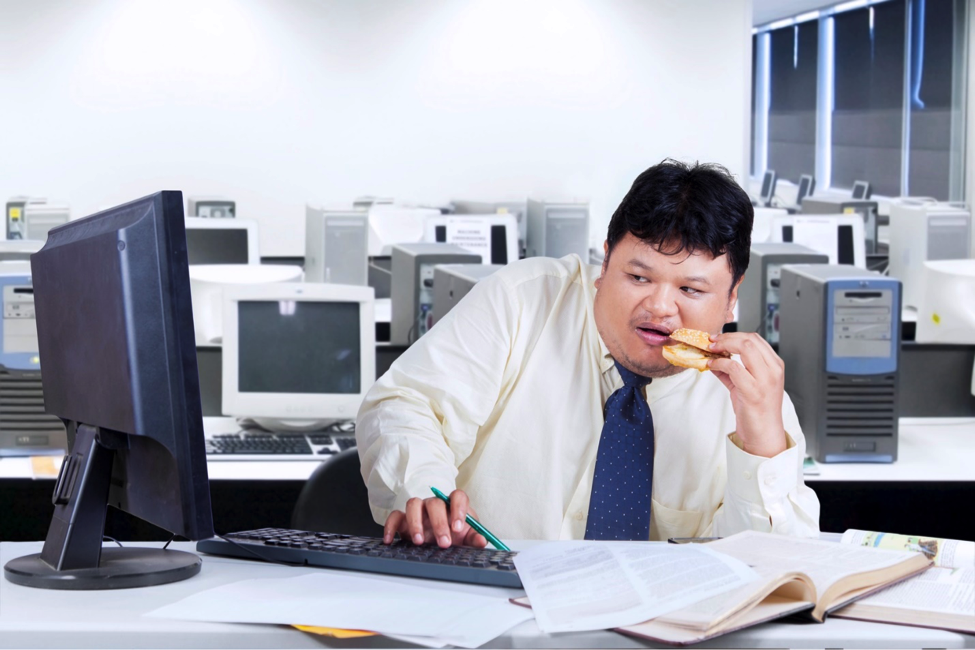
602,271
732,301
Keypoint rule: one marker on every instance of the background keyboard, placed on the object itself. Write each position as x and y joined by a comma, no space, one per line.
454,564
248,443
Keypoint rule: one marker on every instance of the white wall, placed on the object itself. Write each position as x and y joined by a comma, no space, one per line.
283,102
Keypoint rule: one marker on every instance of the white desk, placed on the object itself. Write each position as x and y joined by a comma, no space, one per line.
928,449
34,618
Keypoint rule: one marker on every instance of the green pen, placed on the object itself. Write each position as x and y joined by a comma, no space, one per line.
474,523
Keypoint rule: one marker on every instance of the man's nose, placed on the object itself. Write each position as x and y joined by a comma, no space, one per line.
661,301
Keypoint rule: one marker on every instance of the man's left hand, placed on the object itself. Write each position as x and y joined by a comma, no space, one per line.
757,386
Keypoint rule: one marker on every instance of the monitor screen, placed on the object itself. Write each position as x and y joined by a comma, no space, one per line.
768,185
861,190
217,246
806,186
298,346
297,355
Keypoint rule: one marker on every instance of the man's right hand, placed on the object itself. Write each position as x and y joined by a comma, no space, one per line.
427,520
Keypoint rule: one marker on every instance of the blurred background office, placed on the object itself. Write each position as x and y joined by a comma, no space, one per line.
338,143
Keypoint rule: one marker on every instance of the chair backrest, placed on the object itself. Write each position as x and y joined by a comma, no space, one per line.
335,499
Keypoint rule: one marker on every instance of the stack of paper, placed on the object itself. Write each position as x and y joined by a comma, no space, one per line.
400,608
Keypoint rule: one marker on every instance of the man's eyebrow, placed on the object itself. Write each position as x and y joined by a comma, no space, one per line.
637,263
699,279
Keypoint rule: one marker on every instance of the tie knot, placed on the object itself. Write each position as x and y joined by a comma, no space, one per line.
630,378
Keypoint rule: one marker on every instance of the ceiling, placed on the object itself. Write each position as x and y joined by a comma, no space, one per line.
765,11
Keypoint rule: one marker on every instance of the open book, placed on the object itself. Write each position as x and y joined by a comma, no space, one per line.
795,575
941,597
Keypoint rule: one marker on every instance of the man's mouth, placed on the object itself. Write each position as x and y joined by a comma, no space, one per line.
653,334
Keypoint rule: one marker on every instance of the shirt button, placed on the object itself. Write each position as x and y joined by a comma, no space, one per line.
578,516
746,474
770,479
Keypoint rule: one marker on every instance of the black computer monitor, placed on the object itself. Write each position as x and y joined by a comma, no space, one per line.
768,187
115,338
861,190
807,185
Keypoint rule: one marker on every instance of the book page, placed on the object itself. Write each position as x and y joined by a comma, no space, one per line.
951,553
711,611
598,585
939,589
824,562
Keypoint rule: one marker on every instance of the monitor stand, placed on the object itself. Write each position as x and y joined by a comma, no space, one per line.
73,557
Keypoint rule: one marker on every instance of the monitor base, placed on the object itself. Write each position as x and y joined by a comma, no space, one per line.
119,568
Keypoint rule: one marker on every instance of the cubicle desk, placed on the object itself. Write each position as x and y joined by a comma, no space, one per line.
35,618
924,492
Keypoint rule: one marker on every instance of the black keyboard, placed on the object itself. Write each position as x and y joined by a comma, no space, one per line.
402,558
248,443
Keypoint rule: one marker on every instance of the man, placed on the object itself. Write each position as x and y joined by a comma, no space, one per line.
544,402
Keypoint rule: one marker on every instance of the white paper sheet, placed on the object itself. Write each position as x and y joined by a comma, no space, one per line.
597,585
397,607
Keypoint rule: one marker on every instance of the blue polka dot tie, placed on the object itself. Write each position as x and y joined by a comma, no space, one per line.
619,506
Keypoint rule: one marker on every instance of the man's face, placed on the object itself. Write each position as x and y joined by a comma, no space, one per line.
643,295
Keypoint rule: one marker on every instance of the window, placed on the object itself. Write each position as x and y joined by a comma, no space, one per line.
935,98
792,104
873,91
868,113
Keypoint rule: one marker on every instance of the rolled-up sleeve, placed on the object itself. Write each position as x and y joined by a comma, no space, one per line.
420,420
768,494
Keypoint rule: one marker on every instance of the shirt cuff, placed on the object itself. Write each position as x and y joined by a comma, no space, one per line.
761,480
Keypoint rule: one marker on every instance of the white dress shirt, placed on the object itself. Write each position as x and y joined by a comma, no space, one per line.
504,399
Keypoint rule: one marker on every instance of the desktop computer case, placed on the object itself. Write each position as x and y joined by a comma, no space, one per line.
845,416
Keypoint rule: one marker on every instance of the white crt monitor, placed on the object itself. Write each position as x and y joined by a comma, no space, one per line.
19,249
922,231
208,282
946,303
298,356
222,241
492,236
396,224
840,236
40,218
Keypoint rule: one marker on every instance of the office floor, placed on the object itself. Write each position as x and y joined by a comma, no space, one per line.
929,508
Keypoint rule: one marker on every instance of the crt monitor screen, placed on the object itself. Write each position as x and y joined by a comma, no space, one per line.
217,246
299,346
768,185
861,190
806,187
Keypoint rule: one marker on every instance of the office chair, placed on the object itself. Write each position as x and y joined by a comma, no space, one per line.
335,500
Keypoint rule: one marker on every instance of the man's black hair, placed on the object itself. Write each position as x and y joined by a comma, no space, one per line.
675,207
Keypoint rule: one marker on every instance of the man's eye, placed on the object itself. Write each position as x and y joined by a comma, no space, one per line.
690,291
639,278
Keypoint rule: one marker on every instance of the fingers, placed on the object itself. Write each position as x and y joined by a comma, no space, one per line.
414,520
755,352
475,539
393,525
427,520
436,511
458,510
736,373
